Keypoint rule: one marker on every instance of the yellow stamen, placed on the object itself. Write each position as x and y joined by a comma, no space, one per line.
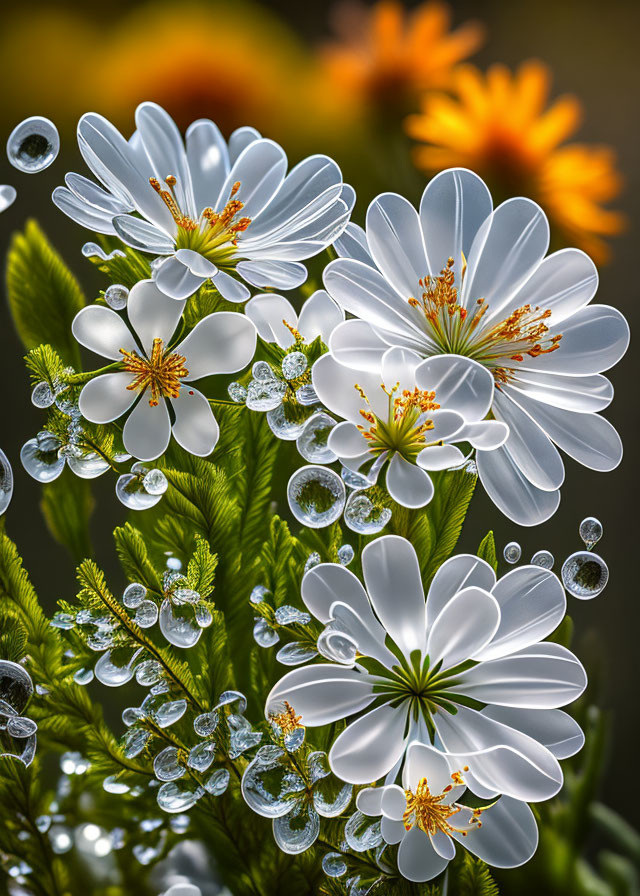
287,720
405,428
428,812
160,373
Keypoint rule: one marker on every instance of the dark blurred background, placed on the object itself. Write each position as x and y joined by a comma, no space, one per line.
62,60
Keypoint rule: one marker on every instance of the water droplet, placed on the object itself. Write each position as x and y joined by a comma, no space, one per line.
293,365
132,714
258,594
61,839
269,783
217,782
174,563
180,824
42,395
242,737
312,560
145,854
6,482
205,724
264,635
170,713
116,296
287,421
93,250
204,616
237,392
166,765
584,574
40,457
133,595
543,558
43,823
286,615
88,466
262,371
345,554
202,755
73,763
295,653
312,441
83,676
33,144
134,741
132,493
185,596
155,482
330,795
316,496
19,726
178,624
62,620
362,832
590,531
265,395
306,395
363,516
7,196
113,785
232,698
179,797
512,552
146,614
334,865
298,830
115,674
148,673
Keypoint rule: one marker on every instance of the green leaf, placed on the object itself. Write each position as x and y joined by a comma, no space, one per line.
127,270
473,878
487,550
201,568
44,296
13,638
67,505
134,557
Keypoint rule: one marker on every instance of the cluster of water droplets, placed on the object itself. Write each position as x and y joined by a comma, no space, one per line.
272,622
142,487
17,731
6,482
584,573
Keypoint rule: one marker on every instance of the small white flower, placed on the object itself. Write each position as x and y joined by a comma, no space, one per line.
426,819
275,317
459,277
408,415
156,375
217,211
467,669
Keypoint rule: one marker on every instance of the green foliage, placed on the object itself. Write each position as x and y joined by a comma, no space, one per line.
134,557
44,363
487,550
201,569
13,637
128,270
44,296
67,505
473,878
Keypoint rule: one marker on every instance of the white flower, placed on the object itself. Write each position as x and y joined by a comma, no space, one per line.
409,414
467,671
271,314
7,196
158,374
500,301
426,819
218,211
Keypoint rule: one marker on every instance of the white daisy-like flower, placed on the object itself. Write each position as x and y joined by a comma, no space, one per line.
467,670
222,212
275,318
426,819
459,277
155,374
407,417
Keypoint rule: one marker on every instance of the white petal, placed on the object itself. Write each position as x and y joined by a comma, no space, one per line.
542,676
336,388
446,425
369,800
393,803
460,384
260,170
511,492
355,344
508,836
229,288
453,206
103,331
176,280
152,314
277,274
195,428
147,431
326,583
532,604
440,457
508,247
485,435
528,446
443,845
208,161
463,628
8,196
424,761
553,728
392,831
370,746
196,263
222,342
417,859
353,244
268,312
571,393
365,631
392,576
395,242
80,212
322,693
106,397
456,573
399,367
240,139
319,316
165,150
407,483
92,194
346,440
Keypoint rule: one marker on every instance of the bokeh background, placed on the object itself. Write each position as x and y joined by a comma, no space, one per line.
297,72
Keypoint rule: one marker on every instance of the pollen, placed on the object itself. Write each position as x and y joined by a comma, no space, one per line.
407,424
287,720
161,373
431,814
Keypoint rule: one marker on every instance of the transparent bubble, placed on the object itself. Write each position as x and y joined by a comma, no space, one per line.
33,145
42,395
93,250
115,673
62,620
234,699
262,371
131,715
204,725
287,615
264,635
116,296
512,552
584,574
146,614
145,854
543,558
265,395
179,797
287,421
242,737
6,482
363,516
237,392
178,624
133,595
83,676
113,785
330,795
148,673
316,496
296,653
306,395
345,554
166,765
174,563
204,616
258,594
43,823
294,365
269,783
134,741
7,196
298,830
132,493
169,713
312,441
590,531
61,839
180,824
155,482
18,726
217,783
334,865
362,832
312,560
202,755
185,596
87,466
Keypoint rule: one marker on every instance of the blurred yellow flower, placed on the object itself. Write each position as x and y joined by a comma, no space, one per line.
502,126
385,55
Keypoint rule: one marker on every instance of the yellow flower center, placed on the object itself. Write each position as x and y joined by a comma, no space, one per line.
287,720
161,372
457,331
428,811
406,426
214,234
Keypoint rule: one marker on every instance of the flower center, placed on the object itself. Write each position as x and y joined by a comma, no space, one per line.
161,372
214,234
428,812
287,720
457,330
406,425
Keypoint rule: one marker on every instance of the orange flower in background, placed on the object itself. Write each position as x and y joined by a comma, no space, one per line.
502,126
385,55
